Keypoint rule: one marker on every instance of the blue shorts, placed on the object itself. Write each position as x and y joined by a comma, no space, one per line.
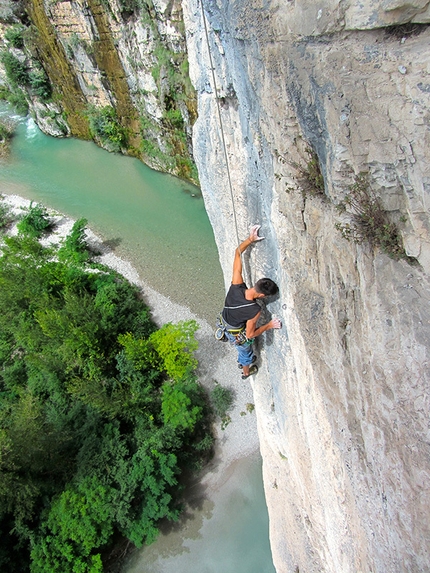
244,351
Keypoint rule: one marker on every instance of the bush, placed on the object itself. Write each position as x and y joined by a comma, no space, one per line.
174,118
7,128
14,35
221,400
16,98
40,84
175,344
177,407
370,222
92,435
105,127
75,248
16,71
35,222
129,6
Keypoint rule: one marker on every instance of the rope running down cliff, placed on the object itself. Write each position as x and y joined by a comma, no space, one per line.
220,123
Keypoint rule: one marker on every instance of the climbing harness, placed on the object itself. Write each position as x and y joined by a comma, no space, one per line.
239,333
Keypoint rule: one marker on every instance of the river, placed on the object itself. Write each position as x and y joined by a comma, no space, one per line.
159,223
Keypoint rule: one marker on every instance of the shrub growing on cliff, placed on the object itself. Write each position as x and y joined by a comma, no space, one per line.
105,127
16,71
370,222
16,98
14,36
310,179
40,84
174,119
7,128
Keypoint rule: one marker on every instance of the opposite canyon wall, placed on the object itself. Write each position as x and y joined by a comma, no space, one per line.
115,71
312,94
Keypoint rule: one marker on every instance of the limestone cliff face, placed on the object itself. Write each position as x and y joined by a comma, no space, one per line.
342,393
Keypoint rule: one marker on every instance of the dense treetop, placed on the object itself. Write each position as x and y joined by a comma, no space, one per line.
99,410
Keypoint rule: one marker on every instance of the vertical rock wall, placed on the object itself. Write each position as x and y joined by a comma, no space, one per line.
342,393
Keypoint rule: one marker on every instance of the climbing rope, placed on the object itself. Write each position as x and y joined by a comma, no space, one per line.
220,124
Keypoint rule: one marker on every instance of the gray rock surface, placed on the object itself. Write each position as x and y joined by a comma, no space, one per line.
342,396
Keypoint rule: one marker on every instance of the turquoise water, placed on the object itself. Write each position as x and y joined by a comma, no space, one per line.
156,220
228,535
159,223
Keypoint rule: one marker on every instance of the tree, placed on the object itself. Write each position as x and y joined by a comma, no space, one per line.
99,411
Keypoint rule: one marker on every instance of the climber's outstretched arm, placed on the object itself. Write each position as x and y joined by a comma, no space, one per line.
237,264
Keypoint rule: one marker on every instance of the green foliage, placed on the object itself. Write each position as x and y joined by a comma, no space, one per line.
14,36
221,400
177,406
139,351
370,222
7,128
313,173
80,520
105,127
129,6
16,98
6,217
35,222
173,118
175,344
186,168
92,436
16,71
75,248
310,179
40,84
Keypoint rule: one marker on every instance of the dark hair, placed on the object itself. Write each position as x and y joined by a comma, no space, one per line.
266,287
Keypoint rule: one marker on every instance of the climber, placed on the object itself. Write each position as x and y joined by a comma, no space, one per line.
241,313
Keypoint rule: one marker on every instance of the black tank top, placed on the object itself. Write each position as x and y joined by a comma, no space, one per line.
237,310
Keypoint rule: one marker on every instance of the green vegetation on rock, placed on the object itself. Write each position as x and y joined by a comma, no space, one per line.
370,222
105,128
7,128
16,70
19,76
222,399
14,36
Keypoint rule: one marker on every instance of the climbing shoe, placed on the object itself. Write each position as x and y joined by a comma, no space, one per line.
252,370
254,360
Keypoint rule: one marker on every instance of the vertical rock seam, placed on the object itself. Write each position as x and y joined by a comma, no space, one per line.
59,69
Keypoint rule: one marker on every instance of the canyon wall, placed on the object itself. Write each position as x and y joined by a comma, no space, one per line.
311,95
118,71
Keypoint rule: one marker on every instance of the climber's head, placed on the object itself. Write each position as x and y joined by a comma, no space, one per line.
266,287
